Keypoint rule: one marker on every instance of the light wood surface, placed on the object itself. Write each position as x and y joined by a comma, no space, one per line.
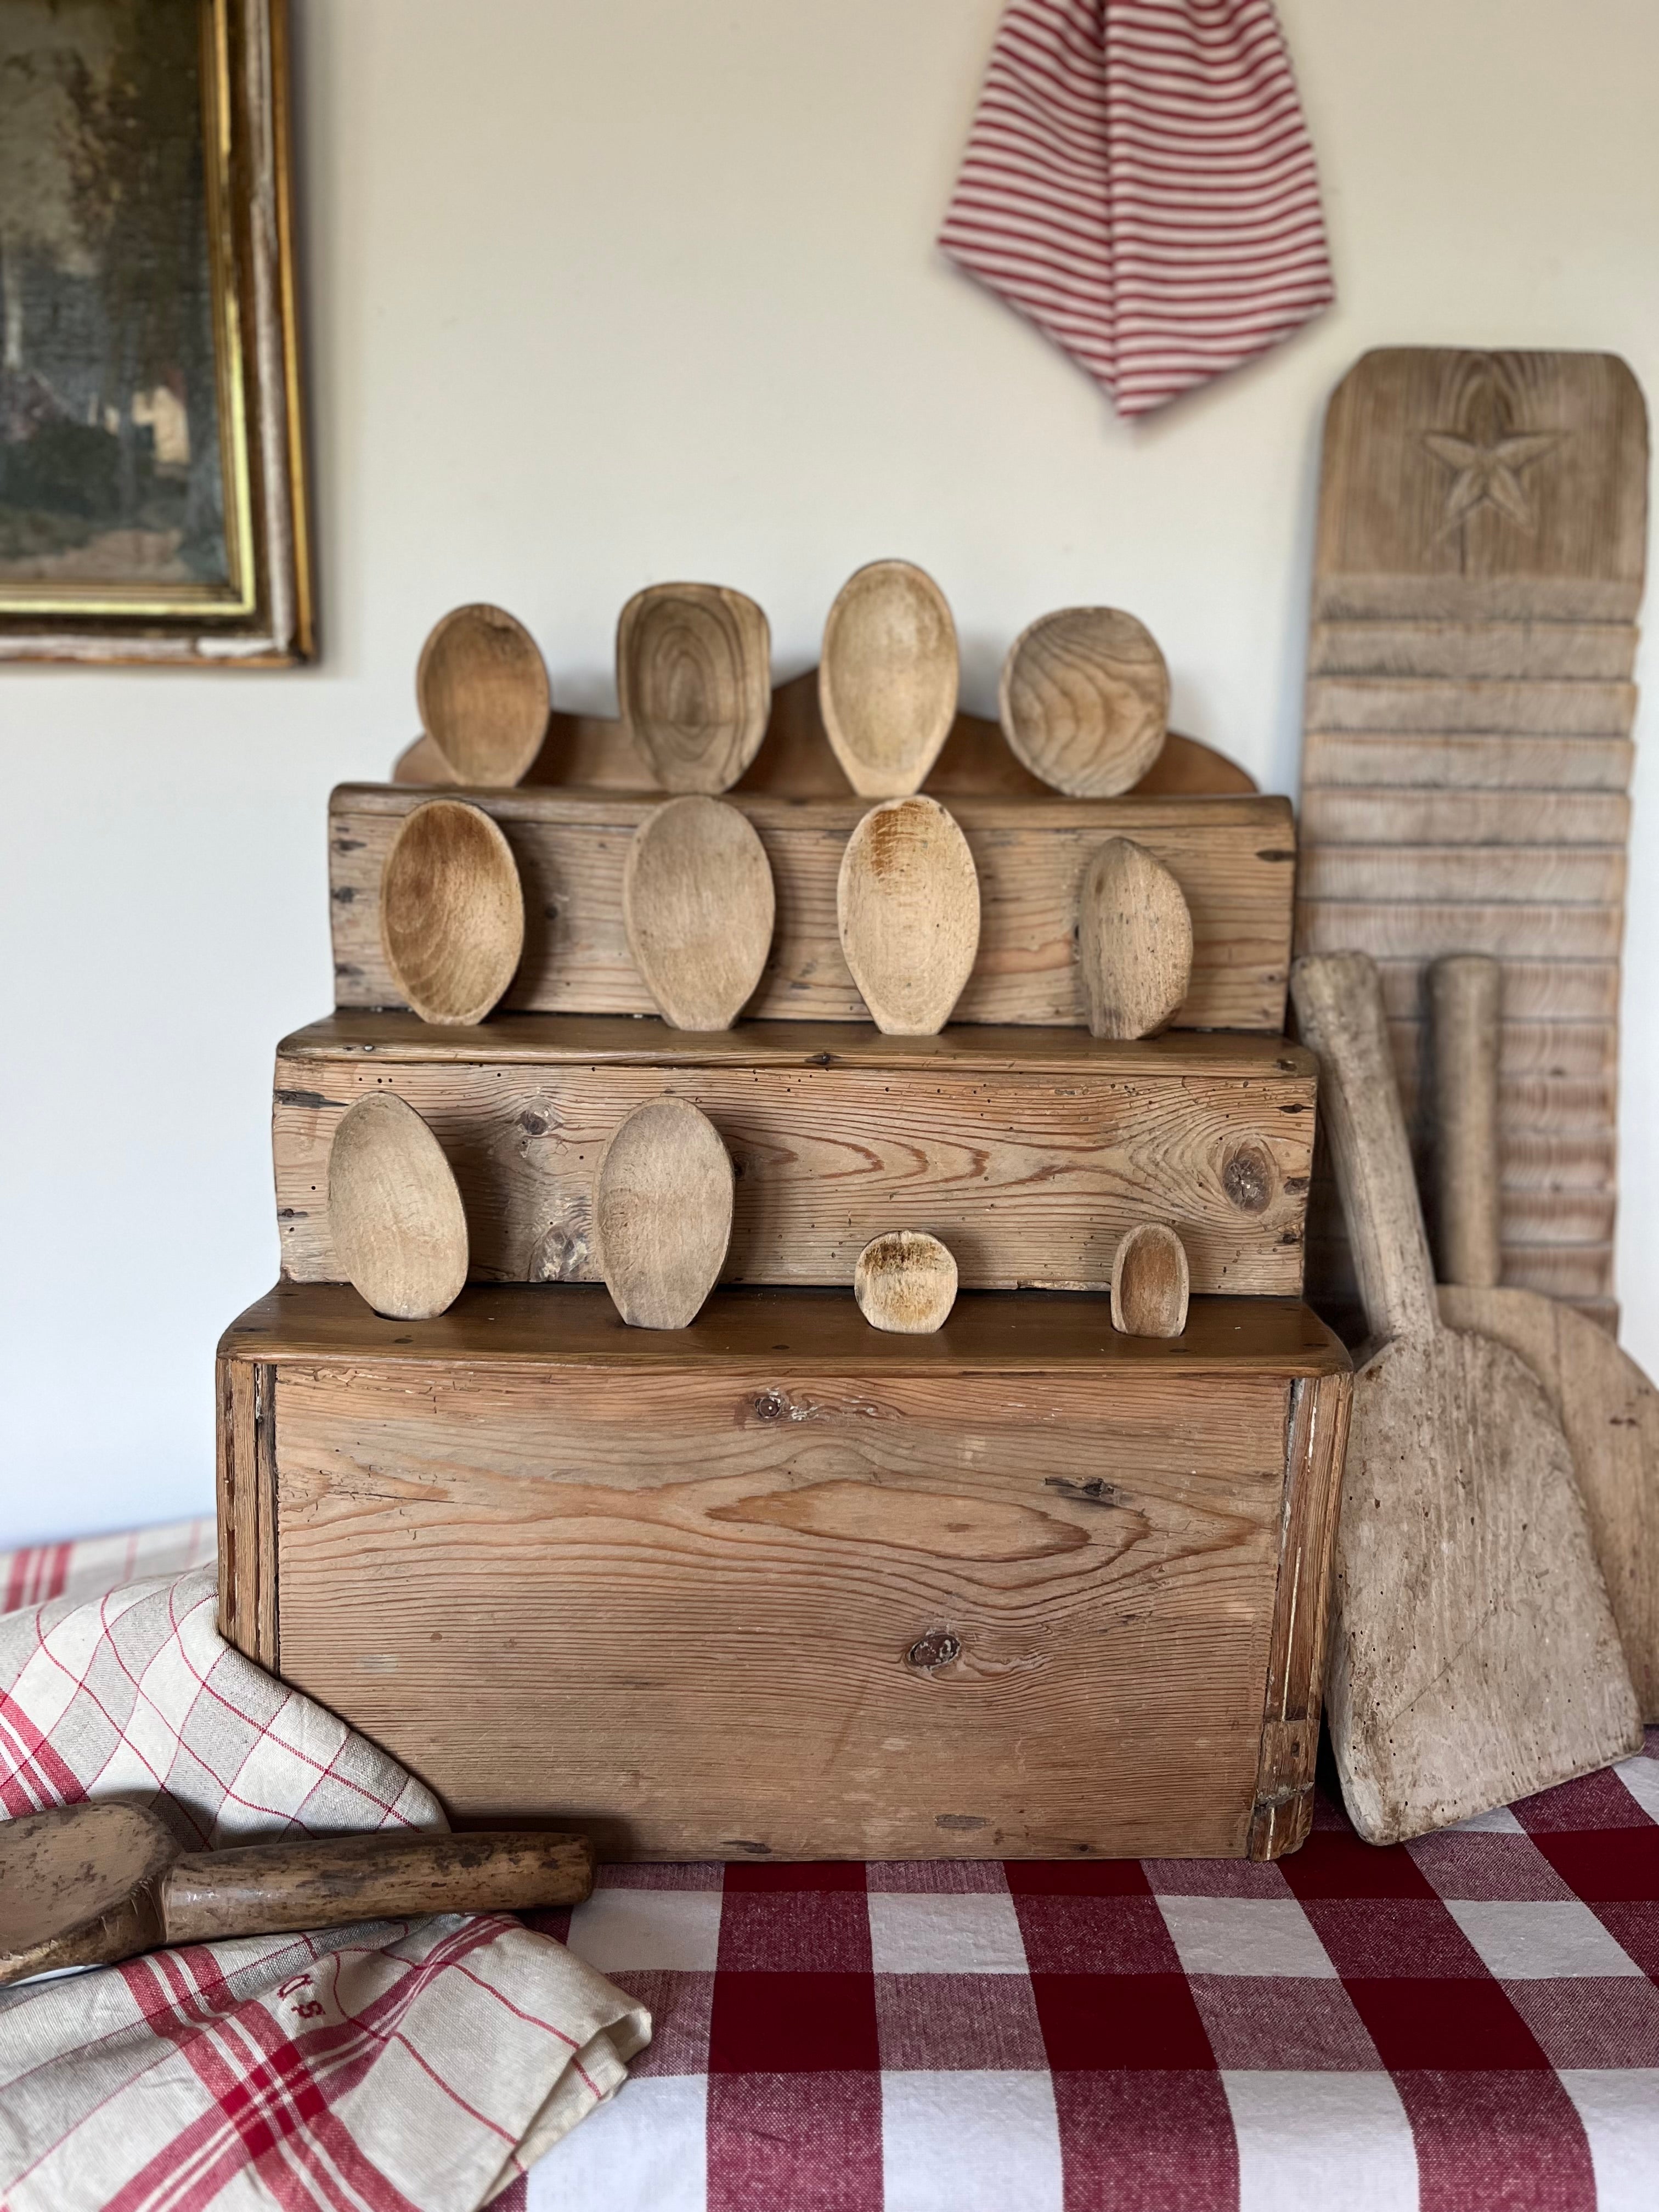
1150,1282
907,907
1030,1152
451,911
694,678
662,1212
1478,570
395,1217
1465,993
1134,942
887,678
1084,700
784,1585
698,907
91,1885
1473,1655
1234,858
905,1282
480,686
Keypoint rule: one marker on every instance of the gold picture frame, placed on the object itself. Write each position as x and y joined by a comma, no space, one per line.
152,464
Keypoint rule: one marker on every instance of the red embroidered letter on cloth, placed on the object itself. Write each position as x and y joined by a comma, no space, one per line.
410,2066
1140,183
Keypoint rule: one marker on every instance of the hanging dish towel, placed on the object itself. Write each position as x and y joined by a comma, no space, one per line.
1140,183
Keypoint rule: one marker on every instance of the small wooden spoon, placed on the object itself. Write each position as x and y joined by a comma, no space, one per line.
482,689
1150,1282
693,675
907,902
662,1209
1084,700
394,1212
1134,939
698,907
905,1283
91,1885
888,678
452,912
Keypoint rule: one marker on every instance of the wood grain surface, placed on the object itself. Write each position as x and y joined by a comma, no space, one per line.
907,909
1084,700
888,676
480,686
450,912
395,1217
698,910
694,681
786,1586
1029,1152
1234,858
662,1212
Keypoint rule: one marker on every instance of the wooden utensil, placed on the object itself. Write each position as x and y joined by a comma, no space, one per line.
1474,1658
888,678
905,1283
1150,1282
1084,700
662,1208
694,676
1135,941
394,1214
907,904
480,686
1608,1406
698,906
90,1885
452,912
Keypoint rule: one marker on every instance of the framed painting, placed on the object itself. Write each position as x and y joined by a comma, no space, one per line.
152,479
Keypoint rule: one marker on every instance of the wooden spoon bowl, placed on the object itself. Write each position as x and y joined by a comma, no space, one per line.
698,906
483,691
662,1208
905,1283
1084,700
906,900
1150,1282
694,676
394,1212
888,678
1134,937
452,912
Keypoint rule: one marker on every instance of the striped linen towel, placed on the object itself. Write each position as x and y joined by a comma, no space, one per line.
1140,183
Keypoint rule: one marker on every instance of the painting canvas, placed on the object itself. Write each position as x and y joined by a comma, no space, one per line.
151,500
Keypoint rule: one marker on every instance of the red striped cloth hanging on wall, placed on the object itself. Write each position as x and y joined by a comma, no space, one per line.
1140,183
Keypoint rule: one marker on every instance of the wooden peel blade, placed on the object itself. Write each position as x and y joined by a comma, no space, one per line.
1473,1656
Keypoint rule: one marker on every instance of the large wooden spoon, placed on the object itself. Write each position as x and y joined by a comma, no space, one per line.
662,1208
394,1212
452,912
1084,700
888,678
698,906
1135,938
482,689
693,675
907,900
91,1885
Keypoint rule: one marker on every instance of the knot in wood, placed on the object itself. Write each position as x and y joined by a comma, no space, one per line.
937,1649
771,1405
1248,1179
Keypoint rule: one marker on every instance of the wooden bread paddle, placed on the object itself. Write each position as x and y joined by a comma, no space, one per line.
1606,1404
1474,1657
91,1885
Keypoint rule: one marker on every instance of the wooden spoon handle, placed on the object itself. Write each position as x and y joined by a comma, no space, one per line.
1338,1008
1464,989
270,1888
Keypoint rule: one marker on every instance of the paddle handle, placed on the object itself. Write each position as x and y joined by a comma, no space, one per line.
1338,1008
268,1889
1464,992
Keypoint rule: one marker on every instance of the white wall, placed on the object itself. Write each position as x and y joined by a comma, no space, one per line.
598,295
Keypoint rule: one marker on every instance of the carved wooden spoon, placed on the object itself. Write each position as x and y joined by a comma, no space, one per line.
91,1885
452,912
482,687
906,900
1084,700
662,1209
698,906
1150,1282
888,676
693,675
1134,937
906,1282
394,1214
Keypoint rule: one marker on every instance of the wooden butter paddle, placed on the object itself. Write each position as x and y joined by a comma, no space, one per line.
698,906
906,900
888,678
905,1283
395,1215
91,1885
1135,941
1474,1656
452,912
1606,1404
482,689
662,1208
1084,700
693,676
1150,1282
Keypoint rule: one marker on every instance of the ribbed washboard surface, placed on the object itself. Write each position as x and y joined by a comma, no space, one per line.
1482,522
1138,182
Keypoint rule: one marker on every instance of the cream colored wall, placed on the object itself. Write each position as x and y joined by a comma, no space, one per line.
603,294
